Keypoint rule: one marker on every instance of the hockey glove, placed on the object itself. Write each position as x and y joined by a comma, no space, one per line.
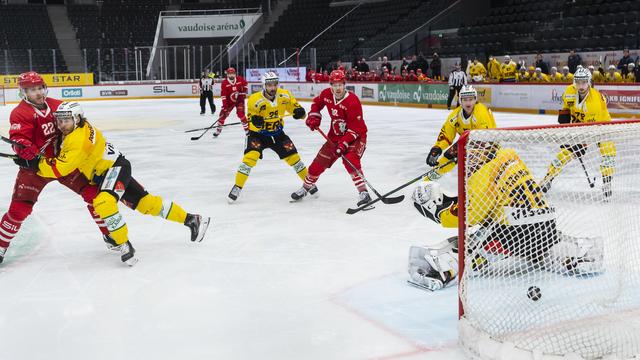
299,113
28,164
564,117
28,151
434,154
257,121
313,121
452,152
341,148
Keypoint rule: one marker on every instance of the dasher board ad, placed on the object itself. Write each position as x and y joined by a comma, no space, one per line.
206,26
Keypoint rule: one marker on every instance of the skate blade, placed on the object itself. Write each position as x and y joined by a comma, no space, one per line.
203,232
419,286
231,201
132,261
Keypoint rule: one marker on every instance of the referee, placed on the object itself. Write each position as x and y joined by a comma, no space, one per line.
457,79
206,92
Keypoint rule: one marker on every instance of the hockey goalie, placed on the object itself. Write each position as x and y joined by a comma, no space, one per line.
508,218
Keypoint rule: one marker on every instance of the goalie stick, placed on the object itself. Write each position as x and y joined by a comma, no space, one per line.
379,198
591,183
386,200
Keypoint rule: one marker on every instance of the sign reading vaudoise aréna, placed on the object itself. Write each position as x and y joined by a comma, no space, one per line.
205,26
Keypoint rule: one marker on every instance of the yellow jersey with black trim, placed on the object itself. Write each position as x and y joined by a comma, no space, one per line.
616,77
503,191
82,149
597,77
630,78
481,118
273,112
477,69
568,78
593,108
508,71
493,67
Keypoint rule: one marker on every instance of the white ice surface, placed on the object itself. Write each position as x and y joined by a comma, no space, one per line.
273,279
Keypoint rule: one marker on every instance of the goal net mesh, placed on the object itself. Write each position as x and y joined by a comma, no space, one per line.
550,239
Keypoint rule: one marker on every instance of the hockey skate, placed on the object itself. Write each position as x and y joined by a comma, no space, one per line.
364,198
302,192
217,132
127,253
198,226
111,244
2,252
234,193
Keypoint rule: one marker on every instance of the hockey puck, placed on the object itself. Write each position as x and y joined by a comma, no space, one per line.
534,293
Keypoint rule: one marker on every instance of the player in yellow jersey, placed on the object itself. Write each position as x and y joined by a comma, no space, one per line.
266,110
84,148
613,75
508,71
583,104
493,68
539,77
631,76
554,75
596,75
477,71
522,75
567,77
468,116
510,216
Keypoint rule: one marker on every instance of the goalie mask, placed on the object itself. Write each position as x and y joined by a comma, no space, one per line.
480,153
69,116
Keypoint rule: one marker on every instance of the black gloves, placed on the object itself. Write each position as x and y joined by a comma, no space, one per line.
299,113
28,164
434,154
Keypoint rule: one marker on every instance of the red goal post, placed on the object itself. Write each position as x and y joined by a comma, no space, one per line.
568,313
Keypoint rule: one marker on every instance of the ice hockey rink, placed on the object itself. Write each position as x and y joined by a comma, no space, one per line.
272,280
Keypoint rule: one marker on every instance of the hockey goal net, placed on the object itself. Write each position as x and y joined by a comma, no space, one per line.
549,231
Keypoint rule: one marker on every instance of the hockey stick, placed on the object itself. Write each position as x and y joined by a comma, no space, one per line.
591,183
205,131
10,156
214,126
353,211
9,141
392,200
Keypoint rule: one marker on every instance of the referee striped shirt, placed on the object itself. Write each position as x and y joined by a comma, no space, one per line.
457,78
206,84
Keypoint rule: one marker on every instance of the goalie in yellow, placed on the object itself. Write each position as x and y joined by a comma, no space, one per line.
583,104
267,110
470,115
83,147
509,216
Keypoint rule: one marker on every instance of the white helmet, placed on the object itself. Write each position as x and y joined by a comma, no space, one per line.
631,65
70,110
582,74
269,77
468,91
612,67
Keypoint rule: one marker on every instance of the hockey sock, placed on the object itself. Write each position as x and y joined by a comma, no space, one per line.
358,182
298,166
249,160
98,220
155,206
8,230
107,208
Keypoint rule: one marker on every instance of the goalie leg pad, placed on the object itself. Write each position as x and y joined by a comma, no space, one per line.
432,203
576,256
433,267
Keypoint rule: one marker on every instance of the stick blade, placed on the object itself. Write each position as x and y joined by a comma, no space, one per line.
392,200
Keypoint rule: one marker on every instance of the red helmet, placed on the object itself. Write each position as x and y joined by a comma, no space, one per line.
231,70
30,79
337,76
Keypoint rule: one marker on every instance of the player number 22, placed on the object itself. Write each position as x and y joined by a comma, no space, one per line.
48,129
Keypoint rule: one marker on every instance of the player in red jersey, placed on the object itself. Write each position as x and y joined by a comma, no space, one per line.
347,136
233,93
34,129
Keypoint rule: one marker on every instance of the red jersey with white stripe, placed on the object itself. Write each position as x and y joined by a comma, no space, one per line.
233,92
35,126
347,122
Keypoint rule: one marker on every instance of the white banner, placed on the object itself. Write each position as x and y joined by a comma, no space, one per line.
206,26
284,74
